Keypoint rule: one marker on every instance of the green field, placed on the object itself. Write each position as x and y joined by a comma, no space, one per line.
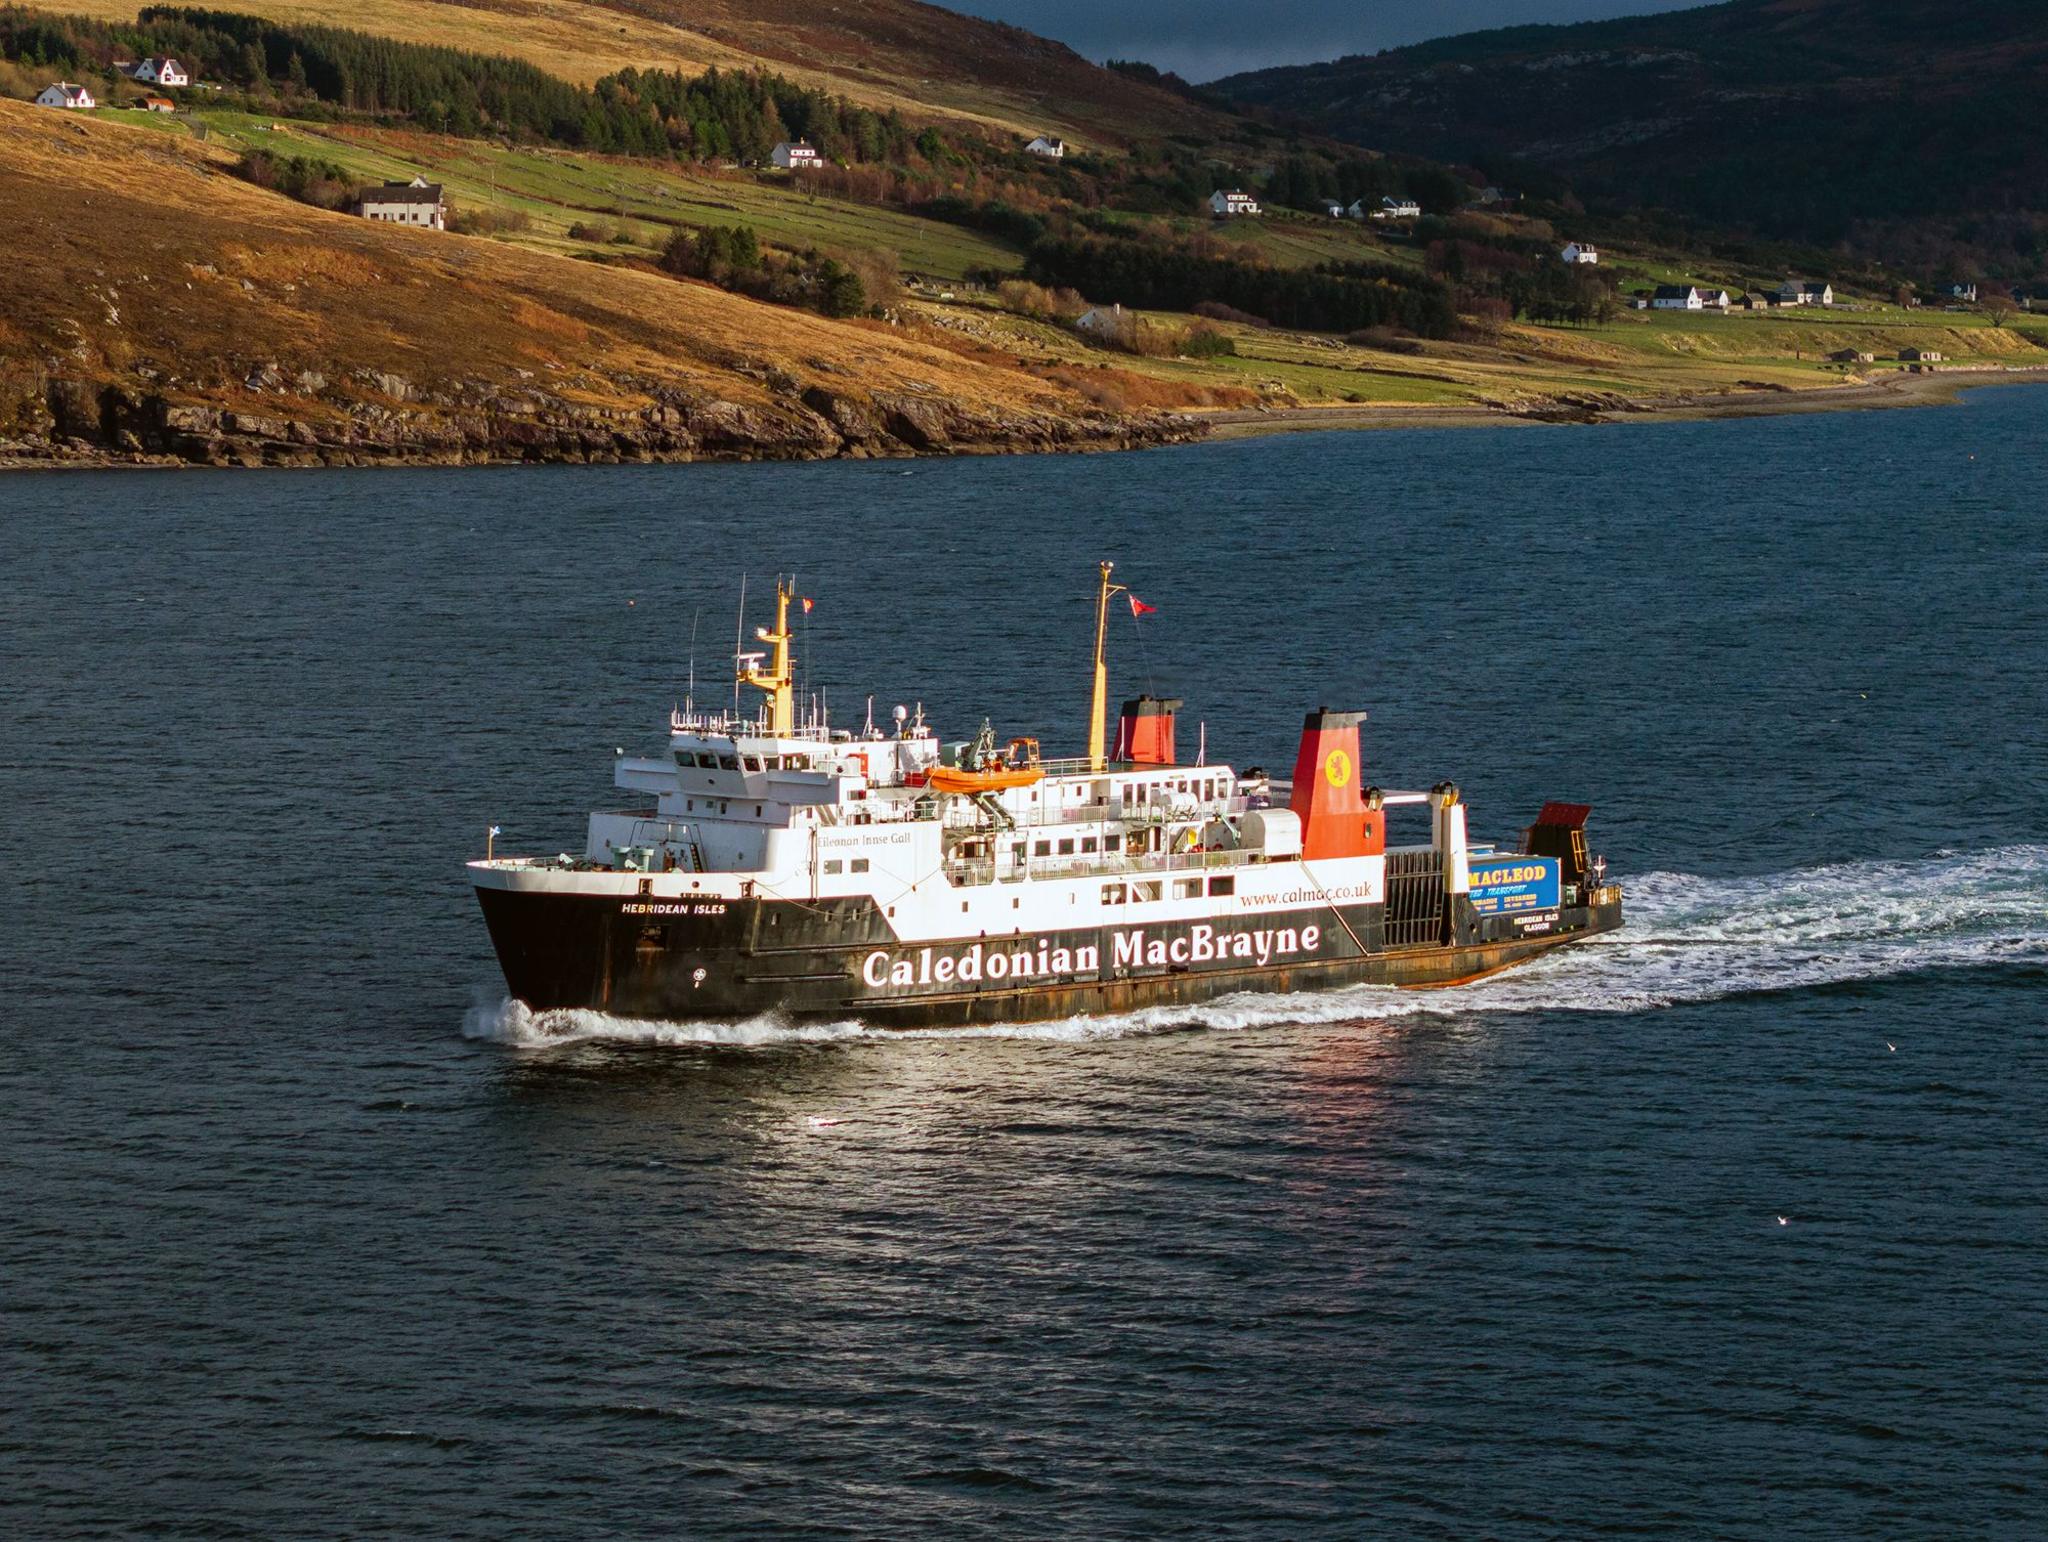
554,189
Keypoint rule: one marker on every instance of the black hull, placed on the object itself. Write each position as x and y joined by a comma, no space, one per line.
693,959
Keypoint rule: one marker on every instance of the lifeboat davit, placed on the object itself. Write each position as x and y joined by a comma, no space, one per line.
997,779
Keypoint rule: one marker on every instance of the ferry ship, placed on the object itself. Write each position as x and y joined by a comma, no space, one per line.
774,864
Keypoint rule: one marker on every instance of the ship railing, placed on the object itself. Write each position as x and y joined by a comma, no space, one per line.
1008,870
1111,813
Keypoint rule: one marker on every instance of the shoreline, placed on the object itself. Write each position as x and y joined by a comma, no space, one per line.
1935,388
1205,425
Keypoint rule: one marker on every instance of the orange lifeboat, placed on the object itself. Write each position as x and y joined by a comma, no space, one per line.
987,771
996,779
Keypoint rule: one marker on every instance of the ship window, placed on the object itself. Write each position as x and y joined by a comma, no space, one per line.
1112,843
834,865
647,886
1087,843
728,763
859,865
1149,890
1112,894
1067,847
689,805
1016,904
654,937
1017,850
750,762
1187,888
1041,849
1223,885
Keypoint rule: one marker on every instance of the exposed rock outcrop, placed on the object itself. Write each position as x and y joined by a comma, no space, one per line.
280,420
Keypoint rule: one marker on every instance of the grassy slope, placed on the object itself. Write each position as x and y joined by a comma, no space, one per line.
883,53
424,297
1642,356
557,188
152,263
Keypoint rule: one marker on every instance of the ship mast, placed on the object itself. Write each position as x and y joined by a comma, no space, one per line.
778,679
1100,704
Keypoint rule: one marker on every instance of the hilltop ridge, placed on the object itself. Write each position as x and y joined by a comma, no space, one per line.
1900,129
901,54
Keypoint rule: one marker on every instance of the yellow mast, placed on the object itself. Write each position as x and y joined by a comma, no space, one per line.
779,679
1100,704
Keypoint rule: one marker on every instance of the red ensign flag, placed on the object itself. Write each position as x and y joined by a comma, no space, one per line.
1139,607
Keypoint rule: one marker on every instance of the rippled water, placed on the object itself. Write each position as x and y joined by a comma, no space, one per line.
307,1231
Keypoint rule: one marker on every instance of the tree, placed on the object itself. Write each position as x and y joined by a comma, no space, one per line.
1997,303
839,289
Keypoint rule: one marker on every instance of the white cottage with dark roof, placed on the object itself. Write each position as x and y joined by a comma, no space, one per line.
65,94
418,202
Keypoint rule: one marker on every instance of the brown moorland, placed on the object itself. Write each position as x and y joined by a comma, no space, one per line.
923,60
157,305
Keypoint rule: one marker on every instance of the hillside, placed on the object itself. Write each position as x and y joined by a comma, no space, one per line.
919,59
170,309
1904,129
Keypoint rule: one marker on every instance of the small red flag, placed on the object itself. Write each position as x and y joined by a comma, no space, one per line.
808,602
1138,606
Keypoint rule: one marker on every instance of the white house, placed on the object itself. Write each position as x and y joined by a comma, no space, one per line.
1676,297
795,157
1803,292
418,202
1966,290
64,94
1052,149
162,72
1232,204
1395,209
1581,252
1333,208
1103,321
1713,299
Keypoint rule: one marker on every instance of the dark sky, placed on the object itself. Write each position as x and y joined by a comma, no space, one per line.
1202,39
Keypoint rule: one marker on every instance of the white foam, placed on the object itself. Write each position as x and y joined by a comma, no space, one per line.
1688,939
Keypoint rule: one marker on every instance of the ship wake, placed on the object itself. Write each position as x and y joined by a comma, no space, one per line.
1688,939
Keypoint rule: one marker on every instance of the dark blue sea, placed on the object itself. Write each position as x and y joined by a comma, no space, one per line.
1733,1226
